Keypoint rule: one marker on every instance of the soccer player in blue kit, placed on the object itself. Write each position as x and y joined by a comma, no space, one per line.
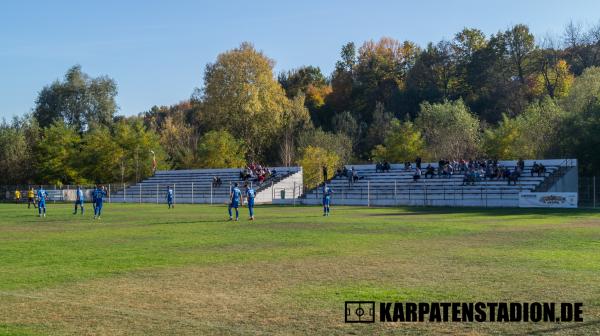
78,200
250,194
170,197
235,196
42,195
99,195
327,192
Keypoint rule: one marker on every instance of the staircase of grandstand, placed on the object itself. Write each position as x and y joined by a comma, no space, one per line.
556,175
397,187
195,186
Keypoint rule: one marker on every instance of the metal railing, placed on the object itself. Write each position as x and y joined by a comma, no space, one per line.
443,191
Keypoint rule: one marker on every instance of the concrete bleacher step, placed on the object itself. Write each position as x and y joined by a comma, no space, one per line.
397,187
195,186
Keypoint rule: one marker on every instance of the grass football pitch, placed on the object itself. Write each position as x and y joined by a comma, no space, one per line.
146,270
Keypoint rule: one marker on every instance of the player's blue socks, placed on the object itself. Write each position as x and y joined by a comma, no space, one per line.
42,209
98,210
237,213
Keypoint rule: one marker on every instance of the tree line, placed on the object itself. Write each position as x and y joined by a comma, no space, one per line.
504,96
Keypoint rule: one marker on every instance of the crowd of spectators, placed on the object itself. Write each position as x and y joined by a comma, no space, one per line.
350,174
256,173
383,167
473,170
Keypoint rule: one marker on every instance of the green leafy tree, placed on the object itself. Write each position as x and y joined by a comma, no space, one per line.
582,125
503,142
381,125
533,134
242,97
450,130
219,149
298,81
100,156
80,101
296,119
312,160
309,82
137,143
337,143
432,78
380,75
520,44
466,44
55,155
342,82
180,140
15,153
403,142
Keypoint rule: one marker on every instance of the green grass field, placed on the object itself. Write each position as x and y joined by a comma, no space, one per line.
144,270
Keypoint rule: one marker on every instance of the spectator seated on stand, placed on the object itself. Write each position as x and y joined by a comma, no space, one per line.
429,171
538,169
470,177
417,175
386,167
514,175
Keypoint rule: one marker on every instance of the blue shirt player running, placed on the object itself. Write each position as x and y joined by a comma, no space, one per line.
99,195
170,197
78,200
42,195
250,194
327,192
235,196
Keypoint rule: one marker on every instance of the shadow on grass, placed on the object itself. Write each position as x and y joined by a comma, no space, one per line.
412,211
565,327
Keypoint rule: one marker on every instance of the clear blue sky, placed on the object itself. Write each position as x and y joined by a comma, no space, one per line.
157,50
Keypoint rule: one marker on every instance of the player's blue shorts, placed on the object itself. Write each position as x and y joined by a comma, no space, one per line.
251,202
234,205
326,200
80,202
170,199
